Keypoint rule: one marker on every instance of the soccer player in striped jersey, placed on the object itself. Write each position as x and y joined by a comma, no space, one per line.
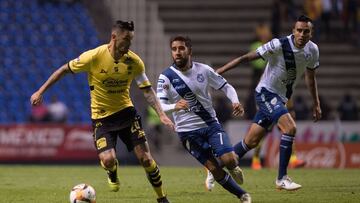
287,60
111,68
183,90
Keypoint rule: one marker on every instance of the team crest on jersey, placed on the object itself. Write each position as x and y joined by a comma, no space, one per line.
307,56
128,60
200,77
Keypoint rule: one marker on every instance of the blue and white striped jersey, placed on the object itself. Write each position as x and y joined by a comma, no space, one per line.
276,77
192,85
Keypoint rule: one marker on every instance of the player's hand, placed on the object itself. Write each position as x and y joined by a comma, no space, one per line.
36,99
316,113
167,122
181,105
238,109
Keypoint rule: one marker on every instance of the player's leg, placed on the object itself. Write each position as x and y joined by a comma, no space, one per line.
226,181
142,152
288,128
109,162
251,140
221,146
105,143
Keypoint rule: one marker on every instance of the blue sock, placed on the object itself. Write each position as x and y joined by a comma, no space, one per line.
230,185
285,153
241,148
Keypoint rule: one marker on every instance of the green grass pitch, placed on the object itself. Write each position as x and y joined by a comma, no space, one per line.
44,184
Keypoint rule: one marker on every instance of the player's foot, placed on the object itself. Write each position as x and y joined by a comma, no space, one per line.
297,163
238,175
245,198
286,184
163,200
256,164
209,181
114,186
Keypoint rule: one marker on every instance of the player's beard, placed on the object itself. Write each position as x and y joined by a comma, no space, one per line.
181,63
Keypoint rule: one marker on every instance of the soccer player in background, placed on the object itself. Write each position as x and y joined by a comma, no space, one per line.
183,90
111,68
287,60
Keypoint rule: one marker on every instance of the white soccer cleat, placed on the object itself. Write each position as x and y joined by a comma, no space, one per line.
245,198
287,184
209,181
238,175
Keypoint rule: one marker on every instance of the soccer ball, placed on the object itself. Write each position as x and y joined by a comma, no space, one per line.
82,193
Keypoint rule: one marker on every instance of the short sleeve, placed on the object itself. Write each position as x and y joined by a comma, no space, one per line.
163,86
268,49
83,62
215,80
139,66
314,63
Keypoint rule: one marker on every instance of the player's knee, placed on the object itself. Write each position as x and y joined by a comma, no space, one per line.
108,161
230,162
146,161
291,130
252,143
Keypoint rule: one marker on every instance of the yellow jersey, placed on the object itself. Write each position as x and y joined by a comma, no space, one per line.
109,80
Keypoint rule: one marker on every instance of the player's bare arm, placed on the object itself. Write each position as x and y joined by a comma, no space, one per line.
37,98
151,98
312,86
232,64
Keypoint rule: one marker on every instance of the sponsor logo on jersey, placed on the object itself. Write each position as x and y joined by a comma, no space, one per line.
111,82
161,81
182,86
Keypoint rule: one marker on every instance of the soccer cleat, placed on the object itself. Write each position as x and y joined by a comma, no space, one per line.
114,186
297,163
209,181
245,198
163,200
256,164
286,184
238,175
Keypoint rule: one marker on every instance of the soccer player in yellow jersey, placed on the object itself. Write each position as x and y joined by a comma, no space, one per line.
111,69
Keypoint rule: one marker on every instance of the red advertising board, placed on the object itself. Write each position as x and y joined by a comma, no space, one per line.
31,143
318,155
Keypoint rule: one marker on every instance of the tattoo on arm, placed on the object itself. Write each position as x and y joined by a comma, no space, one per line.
151,98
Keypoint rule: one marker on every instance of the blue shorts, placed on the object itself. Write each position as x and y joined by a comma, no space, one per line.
271,108
205,143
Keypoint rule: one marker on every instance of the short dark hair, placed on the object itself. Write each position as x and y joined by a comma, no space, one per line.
126,25
181,38
304,18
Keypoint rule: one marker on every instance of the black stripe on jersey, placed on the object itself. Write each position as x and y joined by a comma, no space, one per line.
68,65
164,98
145,87
260,56
222,86
312,68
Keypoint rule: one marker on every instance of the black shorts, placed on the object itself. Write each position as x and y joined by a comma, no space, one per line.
125,124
